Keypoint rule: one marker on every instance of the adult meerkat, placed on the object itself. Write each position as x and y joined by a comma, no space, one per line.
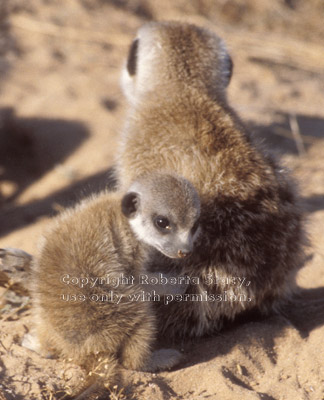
86,278
251,237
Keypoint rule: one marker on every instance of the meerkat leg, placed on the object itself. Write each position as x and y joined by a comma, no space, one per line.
136,349
137,353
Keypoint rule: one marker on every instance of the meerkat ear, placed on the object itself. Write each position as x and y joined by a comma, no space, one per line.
132,58
129,74
230,66
130,204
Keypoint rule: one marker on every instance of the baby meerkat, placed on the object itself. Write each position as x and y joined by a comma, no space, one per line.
251,239
85,280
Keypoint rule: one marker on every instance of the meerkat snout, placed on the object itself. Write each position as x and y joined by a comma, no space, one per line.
163,212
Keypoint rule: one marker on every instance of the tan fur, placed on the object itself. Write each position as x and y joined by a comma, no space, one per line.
96,239
179,120
89,241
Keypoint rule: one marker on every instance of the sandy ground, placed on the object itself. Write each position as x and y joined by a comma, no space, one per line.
61,110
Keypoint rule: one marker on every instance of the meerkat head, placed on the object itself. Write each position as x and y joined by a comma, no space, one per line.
175,51
163,211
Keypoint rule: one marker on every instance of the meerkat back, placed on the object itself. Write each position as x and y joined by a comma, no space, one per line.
175,79
179,119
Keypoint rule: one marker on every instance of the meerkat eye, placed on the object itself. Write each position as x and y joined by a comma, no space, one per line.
162,223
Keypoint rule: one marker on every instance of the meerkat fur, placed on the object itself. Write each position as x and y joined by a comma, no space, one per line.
175,80
99,326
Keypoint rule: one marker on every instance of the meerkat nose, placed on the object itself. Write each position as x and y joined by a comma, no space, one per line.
182,254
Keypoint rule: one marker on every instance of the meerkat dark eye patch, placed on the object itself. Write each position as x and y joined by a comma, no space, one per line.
132,58
162,224
129,204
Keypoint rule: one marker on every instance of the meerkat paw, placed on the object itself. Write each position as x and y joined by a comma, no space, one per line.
163,359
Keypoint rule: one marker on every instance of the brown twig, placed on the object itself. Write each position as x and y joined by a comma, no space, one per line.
15,311
296,134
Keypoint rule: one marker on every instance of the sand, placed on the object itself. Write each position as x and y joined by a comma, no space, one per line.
61,110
